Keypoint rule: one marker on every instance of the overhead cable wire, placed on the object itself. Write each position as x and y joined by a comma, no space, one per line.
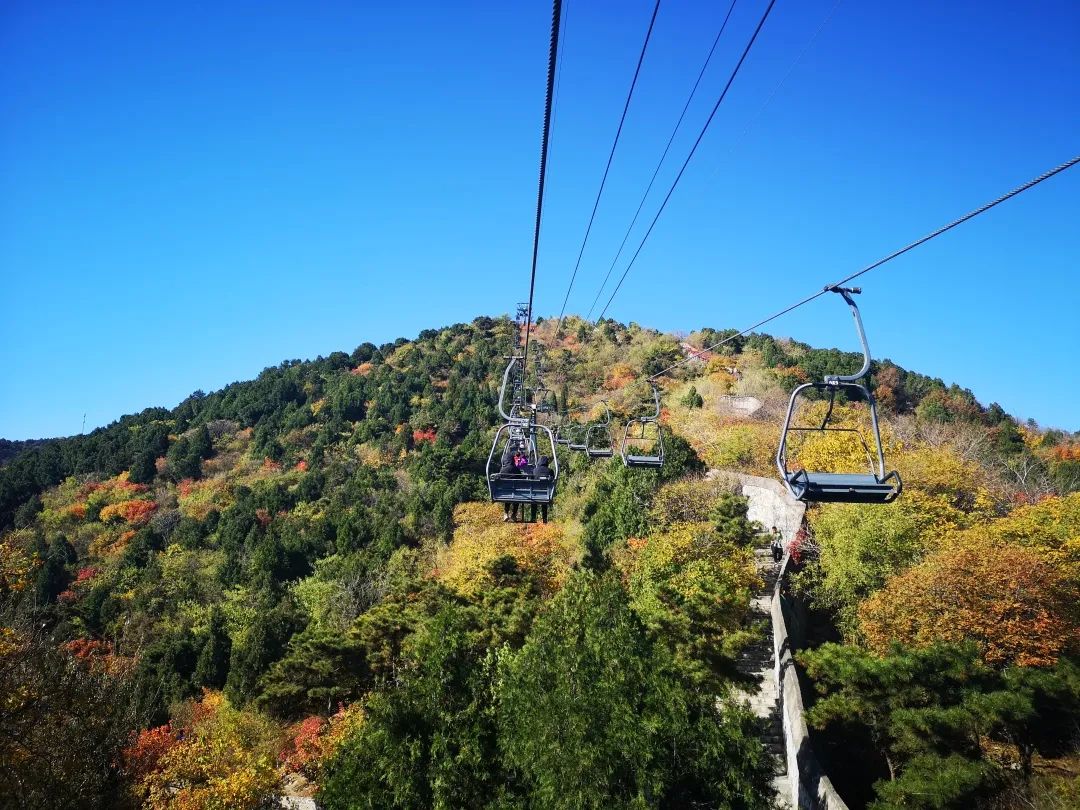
607,168
895,254
663,157
560,64
689,157
553,52
776,88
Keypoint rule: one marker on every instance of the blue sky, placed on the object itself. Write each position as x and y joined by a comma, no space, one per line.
192,192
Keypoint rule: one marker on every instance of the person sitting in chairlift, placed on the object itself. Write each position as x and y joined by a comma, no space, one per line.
543,472
510,510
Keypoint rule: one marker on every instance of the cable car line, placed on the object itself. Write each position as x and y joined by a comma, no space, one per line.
693,149
663,157
776,88
607,168
556,15
895,254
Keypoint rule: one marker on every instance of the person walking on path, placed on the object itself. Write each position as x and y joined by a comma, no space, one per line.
777,545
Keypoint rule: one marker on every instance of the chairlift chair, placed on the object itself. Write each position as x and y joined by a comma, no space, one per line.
524,487
578,438
598,439
643,441
875,486
520,432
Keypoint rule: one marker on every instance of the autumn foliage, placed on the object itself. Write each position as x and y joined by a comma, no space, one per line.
135,512
219,757
312,741
147,749
423,435
481,536
16,565
1010,600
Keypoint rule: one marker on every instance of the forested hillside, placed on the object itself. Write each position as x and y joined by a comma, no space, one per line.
297,584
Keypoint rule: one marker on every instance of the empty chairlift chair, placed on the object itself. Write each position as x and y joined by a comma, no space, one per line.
578,438
643,442
874,486
598,440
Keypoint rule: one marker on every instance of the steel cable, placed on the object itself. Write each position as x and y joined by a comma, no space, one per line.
693,149
895,254
556,15
663,157
607,168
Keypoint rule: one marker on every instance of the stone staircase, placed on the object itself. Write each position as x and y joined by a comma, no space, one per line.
758,662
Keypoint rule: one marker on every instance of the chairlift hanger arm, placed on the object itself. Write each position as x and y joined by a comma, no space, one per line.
502,389
846,293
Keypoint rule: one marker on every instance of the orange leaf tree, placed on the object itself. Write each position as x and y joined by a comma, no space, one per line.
1014,603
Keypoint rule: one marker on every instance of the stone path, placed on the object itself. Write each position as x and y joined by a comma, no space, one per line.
770,506
759,662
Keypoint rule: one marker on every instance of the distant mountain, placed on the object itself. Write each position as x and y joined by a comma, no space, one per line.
305,569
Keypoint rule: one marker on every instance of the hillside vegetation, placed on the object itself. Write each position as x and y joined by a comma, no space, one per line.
297,584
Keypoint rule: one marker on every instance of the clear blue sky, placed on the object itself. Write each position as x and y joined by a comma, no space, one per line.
191,192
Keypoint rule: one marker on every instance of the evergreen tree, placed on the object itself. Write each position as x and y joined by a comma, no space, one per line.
143,468
592,715
212,668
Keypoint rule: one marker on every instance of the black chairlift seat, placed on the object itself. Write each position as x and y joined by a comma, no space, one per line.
654,462
525,486
598,442
579,441
844,487
873,487
515,488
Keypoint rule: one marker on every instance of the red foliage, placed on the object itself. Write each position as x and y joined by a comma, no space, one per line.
86,574
186,486
263,516
139,513
423,435
147,748
301,465
134,489
77,511
85,649
67,597
87,489
269,465
303,745
797,547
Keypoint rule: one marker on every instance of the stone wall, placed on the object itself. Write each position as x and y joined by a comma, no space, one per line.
812,789
772,505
